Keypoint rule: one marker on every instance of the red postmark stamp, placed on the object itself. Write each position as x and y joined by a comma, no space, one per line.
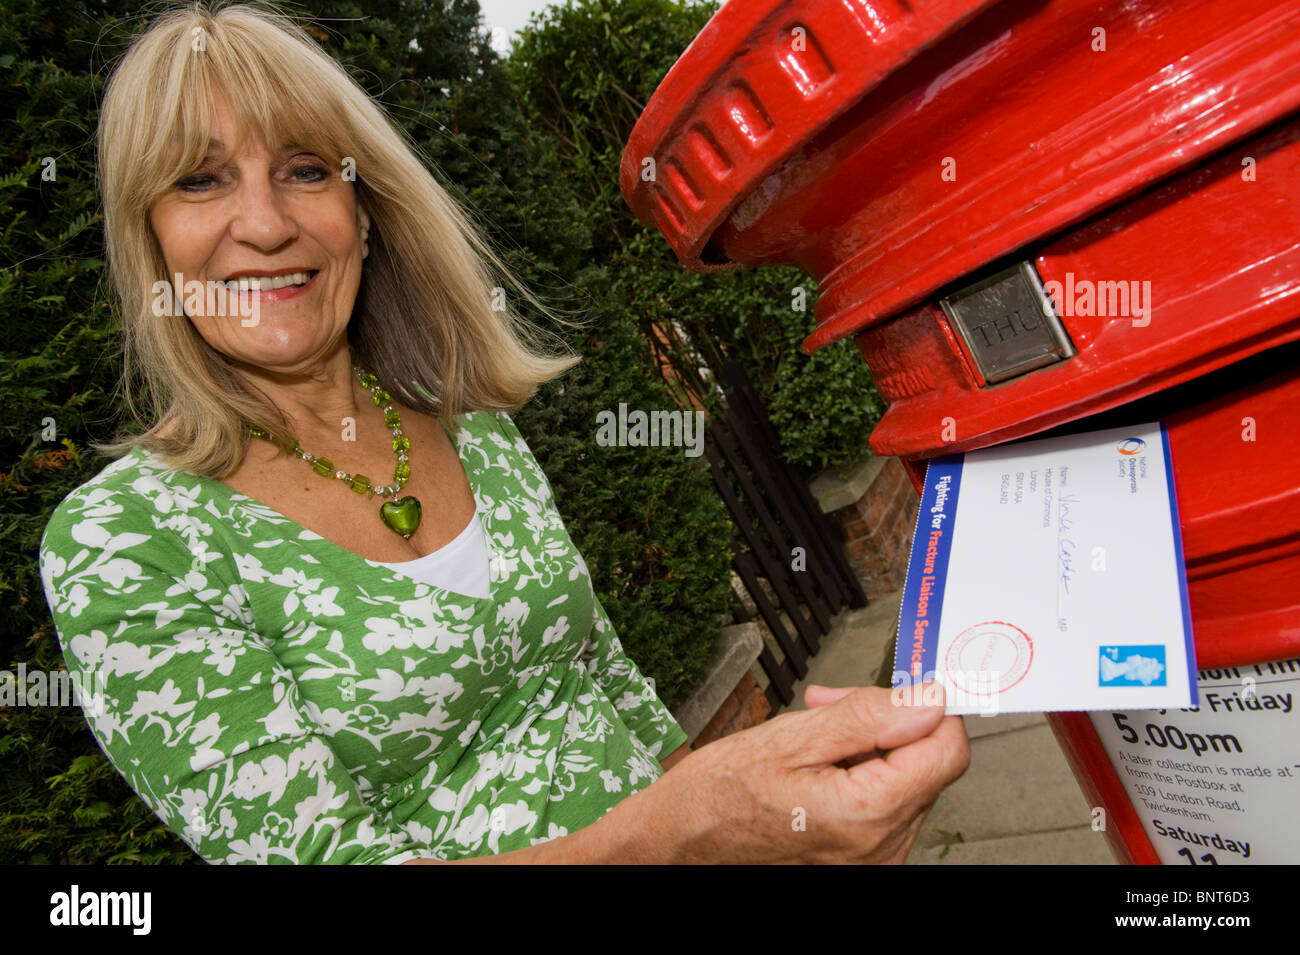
989,658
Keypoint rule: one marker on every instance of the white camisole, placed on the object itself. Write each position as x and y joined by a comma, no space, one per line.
460,565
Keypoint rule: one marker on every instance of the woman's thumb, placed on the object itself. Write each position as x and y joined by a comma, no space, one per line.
864,719
816,695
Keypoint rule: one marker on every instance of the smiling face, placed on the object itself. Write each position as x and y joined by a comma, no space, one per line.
263,217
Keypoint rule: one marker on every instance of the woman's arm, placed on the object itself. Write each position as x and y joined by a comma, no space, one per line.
190,704
632,695
733,801
619,839
629,834
675,757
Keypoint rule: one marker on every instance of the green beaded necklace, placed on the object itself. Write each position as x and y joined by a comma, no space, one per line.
400,516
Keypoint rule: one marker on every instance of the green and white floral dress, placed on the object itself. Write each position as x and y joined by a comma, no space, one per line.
274,697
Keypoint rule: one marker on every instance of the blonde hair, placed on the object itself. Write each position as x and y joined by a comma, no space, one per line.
424,316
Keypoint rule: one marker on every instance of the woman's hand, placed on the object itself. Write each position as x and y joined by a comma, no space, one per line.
849,780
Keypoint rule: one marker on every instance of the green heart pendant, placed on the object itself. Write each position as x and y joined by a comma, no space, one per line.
402,516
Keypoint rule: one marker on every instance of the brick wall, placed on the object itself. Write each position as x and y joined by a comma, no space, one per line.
879,527
746,706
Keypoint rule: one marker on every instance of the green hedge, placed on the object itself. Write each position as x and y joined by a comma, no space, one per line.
585,72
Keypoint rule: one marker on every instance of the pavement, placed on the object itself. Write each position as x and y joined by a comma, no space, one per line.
1018,803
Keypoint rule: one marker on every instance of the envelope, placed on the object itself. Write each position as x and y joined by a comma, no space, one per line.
1048,575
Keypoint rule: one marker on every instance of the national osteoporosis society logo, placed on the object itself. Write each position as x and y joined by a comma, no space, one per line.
1131,446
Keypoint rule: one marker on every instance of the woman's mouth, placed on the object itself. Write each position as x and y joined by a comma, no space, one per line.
272,288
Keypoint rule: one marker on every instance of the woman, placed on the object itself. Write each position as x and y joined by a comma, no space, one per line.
306,664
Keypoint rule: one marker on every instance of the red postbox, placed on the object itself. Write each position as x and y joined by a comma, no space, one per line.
1138,161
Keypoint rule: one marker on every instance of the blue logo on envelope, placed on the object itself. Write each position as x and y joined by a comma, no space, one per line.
1132,666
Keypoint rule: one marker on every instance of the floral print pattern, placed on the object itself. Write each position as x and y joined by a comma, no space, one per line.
276,698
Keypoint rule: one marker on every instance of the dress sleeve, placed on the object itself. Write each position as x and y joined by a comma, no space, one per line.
632,694
190,704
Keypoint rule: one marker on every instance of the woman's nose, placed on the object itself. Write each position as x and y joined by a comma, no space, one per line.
260,218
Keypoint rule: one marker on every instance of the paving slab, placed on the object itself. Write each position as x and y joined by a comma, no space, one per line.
977,726
1077,846
852,652
1018,782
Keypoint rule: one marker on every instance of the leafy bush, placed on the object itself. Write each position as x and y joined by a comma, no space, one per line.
60,801
585,71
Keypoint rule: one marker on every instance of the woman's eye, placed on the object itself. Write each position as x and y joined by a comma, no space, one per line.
304,172
194,183
310,172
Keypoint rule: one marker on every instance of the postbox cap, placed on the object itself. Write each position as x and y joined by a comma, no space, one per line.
759,80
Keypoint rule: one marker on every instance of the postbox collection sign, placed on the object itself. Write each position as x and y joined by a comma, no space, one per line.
1209,783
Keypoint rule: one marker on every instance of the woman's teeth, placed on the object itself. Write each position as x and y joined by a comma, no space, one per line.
258,283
